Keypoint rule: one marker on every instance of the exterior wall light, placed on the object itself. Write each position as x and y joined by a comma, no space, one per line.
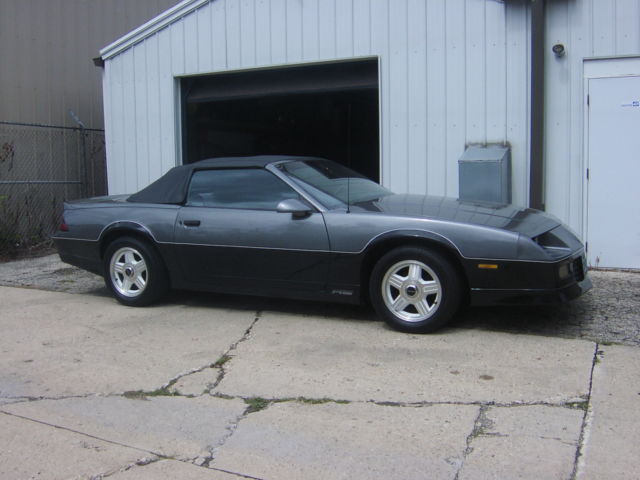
558,50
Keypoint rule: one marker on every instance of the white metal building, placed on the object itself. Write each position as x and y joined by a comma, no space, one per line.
556,80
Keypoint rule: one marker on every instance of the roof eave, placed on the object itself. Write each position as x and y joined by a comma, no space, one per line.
152,26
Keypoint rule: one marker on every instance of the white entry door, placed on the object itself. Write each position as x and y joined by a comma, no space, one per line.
613,195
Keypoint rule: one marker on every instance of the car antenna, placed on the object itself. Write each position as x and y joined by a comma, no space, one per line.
348,194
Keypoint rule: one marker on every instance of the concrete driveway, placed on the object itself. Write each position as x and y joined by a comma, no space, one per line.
210,387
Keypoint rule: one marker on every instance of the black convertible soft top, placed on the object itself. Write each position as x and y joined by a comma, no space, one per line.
172,187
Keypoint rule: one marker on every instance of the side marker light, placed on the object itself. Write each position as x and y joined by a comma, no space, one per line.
488,266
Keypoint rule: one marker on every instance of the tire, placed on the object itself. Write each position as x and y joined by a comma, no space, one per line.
415,289
134,272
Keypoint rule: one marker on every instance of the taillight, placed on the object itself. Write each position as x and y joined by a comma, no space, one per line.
64,227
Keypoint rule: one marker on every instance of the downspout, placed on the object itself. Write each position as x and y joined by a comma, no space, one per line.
536,152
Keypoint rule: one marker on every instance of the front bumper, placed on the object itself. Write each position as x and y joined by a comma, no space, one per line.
530,283
530,296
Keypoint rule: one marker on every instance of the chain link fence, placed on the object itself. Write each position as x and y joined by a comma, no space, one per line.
41,167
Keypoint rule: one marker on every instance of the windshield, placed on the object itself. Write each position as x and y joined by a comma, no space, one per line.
332,184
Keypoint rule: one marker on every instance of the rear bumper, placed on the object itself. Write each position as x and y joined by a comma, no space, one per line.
482,296
84,254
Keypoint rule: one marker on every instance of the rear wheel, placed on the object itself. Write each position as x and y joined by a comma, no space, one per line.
415,290
134,272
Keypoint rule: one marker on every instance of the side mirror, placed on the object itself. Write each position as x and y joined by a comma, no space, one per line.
295,207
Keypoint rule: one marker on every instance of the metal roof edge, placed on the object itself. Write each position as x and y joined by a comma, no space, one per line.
152,26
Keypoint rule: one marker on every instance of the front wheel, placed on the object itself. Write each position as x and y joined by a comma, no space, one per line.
415,290
134,272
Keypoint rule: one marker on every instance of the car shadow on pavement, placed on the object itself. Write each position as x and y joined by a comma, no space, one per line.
607,314
277,305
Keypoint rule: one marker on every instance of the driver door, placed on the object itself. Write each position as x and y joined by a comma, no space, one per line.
229,236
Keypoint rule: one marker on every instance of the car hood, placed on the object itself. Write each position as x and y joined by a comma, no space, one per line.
526,221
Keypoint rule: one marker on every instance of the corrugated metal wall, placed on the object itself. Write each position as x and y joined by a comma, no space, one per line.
46,47
452,72
587,28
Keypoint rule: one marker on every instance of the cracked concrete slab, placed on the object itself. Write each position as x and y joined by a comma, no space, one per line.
173,469
32,450
176,427
197,383
561,424
500,399
526,442
296,440
613,430
314,357
58,344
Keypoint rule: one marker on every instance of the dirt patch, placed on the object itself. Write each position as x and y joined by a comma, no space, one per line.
48,273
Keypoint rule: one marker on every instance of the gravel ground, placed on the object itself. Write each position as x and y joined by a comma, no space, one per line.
609,313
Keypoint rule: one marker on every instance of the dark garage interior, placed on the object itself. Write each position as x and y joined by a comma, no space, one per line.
327,110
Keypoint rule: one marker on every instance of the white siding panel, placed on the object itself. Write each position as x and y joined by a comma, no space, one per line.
380,47
476,102
518,75
580,43
153,107
130,159
204,31
177,48
107,96
310,30
327,28
190,47
234,35
263,33
114,129
496,73
397,178
603,18
141,116
361,27
436,97
557,115
278,31
167,133
344,28
219,35
627,27
456,91
294,31
417,96
248,32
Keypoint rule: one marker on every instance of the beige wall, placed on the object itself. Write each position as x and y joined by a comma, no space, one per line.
46,51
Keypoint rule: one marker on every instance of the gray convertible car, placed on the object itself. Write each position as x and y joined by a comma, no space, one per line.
309,228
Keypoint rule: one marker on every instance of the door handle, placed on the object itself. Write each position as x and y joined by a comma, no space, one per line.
191,223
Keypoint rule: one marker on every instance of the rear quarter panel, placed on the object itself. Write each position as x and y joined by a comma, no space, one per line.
90,224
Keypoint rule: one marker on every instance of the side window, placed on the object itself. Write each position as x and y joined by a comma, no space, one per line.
248,188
